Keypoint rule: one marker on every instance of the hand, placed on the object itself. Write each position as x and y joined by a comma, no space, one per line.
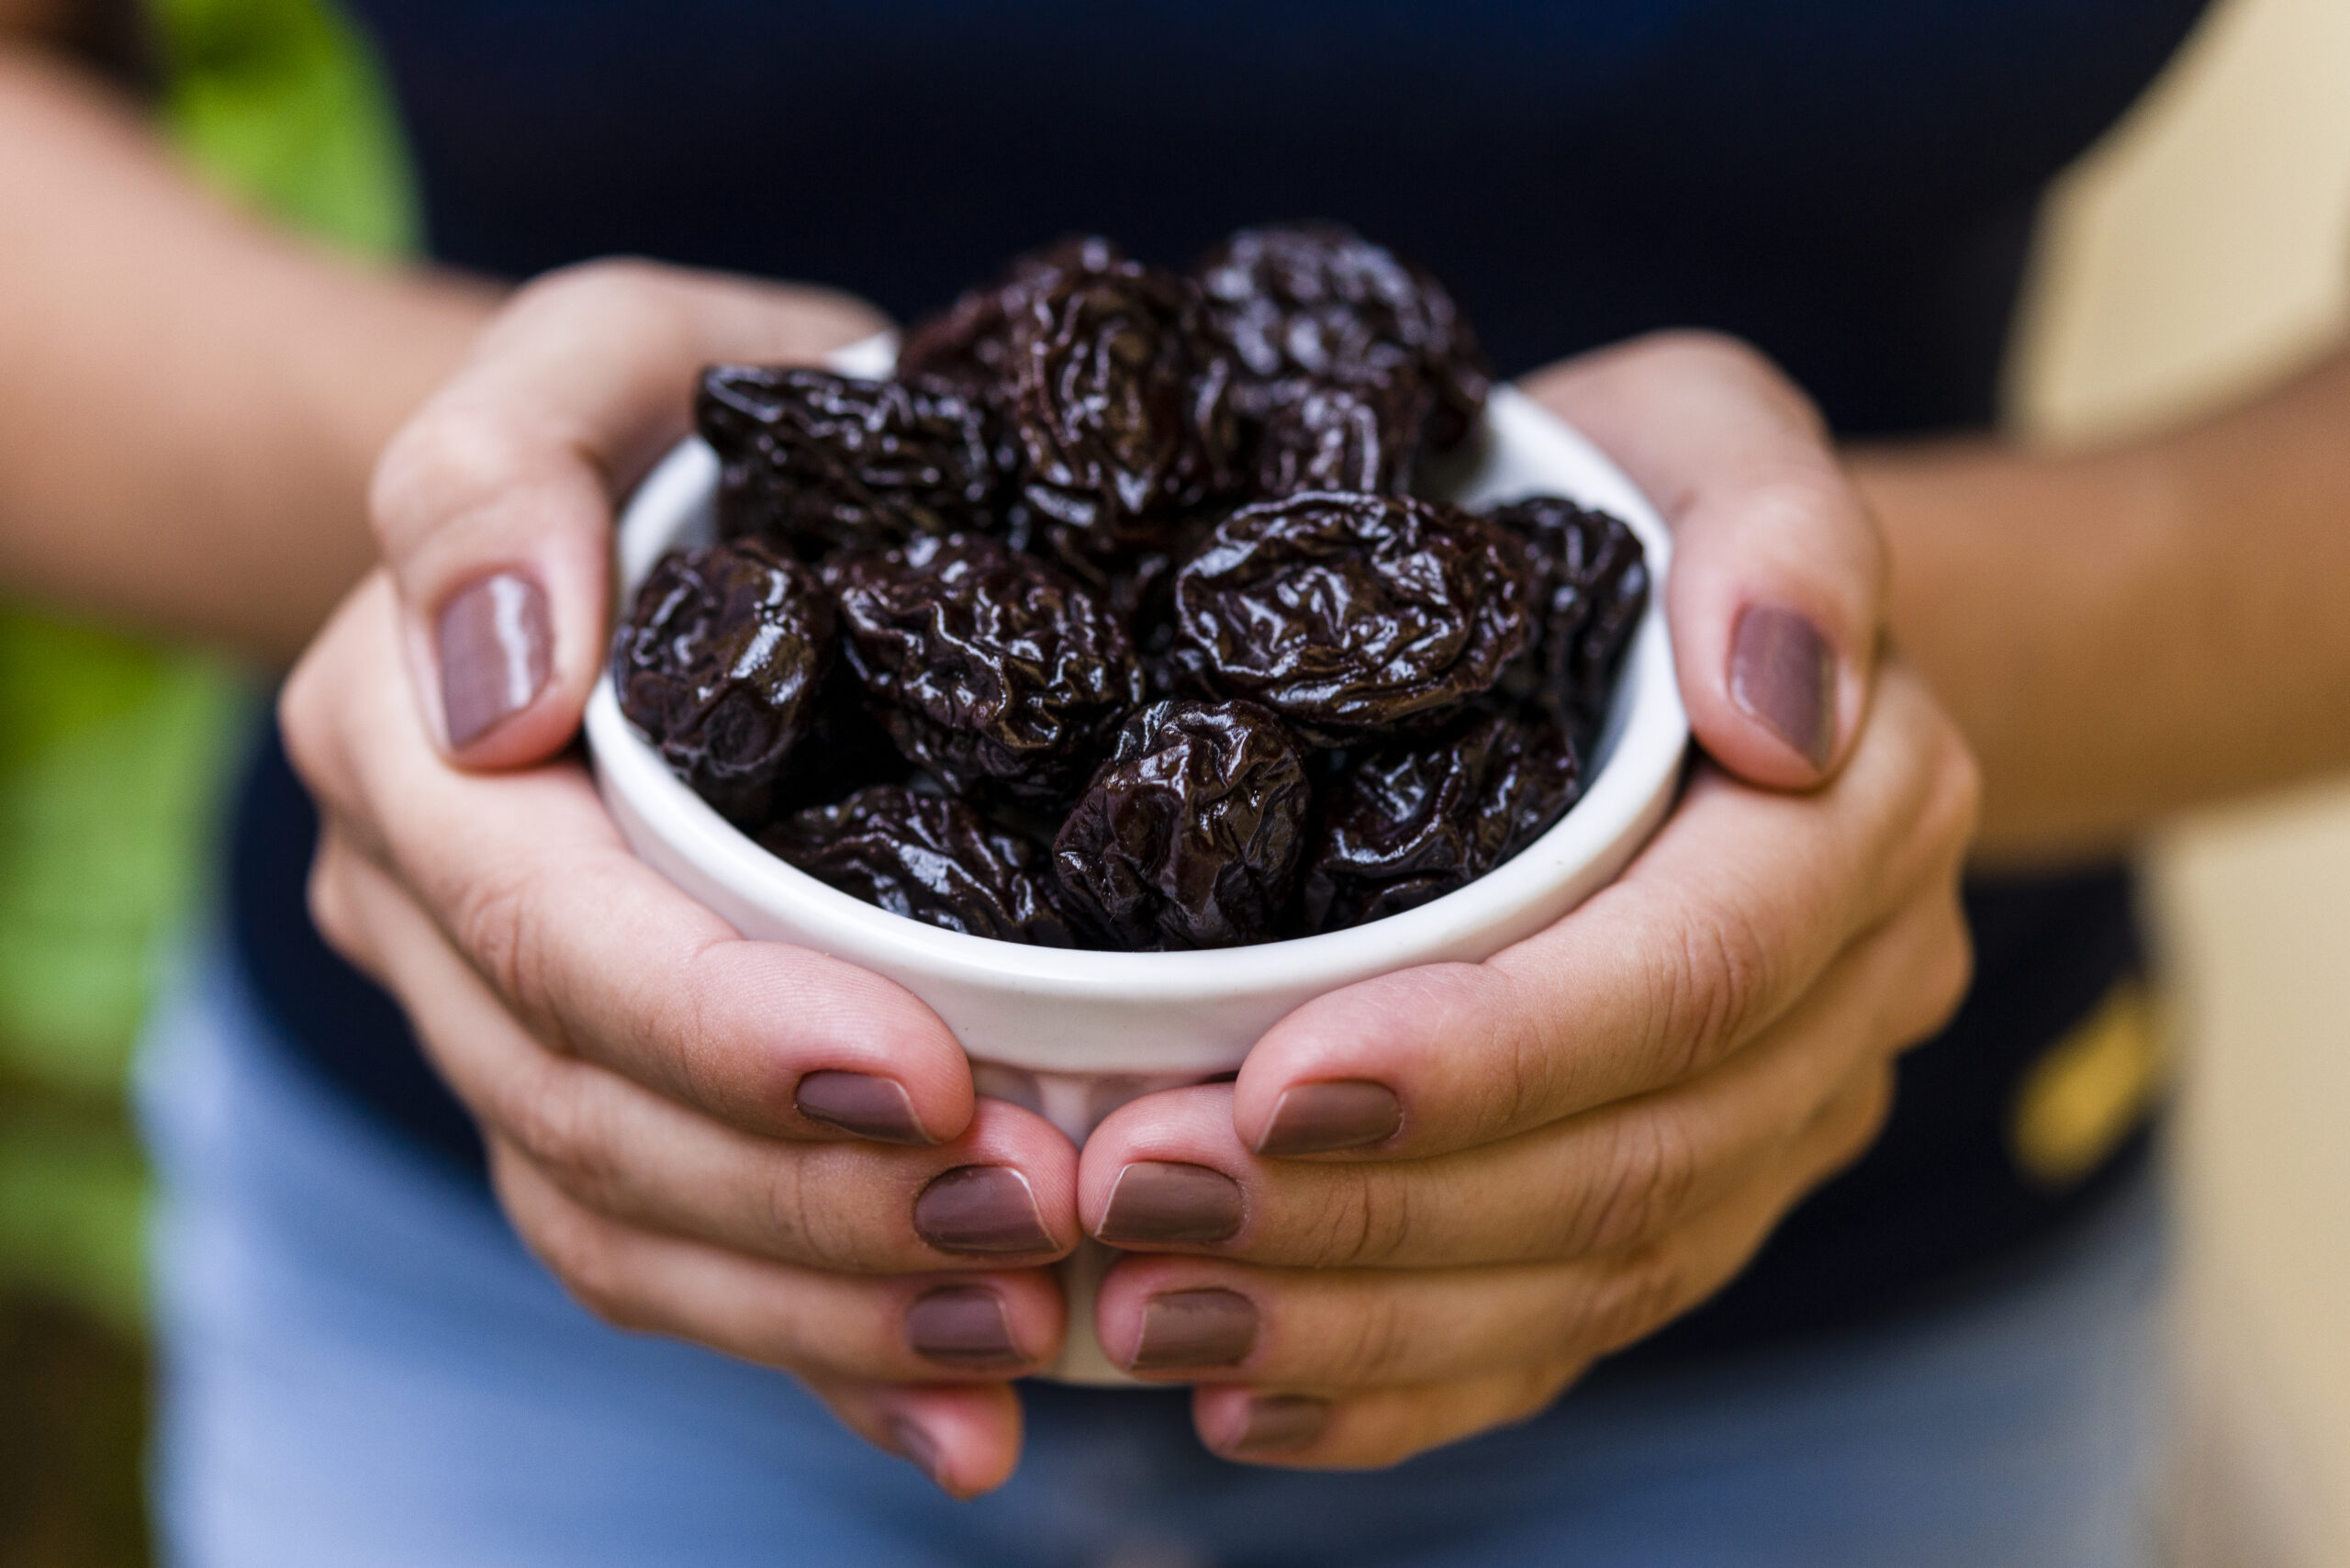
1431,1200
739,1143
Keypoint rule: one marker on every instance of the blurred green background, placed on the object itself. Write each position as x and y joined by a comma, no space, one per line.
114,751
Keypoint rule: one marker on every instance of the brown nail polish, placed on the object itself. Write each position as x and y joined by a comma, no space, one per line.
1783,672
981,1208
496,649
1155,1201
1281,1422
1313,1119
962,1325
918,1449
1195,1329
876,1108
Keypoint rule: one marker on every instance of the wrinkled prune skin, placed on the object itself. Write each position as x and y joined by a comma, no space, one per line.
1318,301
1342,438
1409,822
927,858
992,670
969,342
1189,836
1590,585
719,665
1120,402
1348,614
817,462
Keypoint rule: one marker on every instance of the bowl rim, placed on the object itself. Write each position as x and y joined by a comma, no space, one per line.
1645,741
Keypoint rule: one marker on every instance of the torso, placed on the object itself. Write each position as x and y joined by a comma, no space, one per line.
1848,184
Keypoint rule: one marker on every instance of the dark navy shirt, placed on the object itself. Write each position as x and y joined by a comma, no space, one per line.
1850,183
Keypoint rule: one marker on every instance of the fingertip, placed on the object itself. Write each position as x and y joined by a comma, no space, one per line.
1349,1071
1250,1425
965,1439
493,646
1775,688
863,1104
864,1054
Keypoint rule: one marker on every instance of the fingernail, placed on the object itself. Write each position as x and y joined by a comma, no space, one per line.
962,1325
858,1103
981,1208
918,1449
1195,1329
1783,672
1279,1422
1313,1119
1155,1201
495,653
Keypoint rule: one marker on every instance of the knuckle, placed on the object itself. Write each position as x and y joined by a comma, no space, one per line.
1709,985
302,705
582,1252
823,1236
1950,972
1951,807
1710,347
455,454
1874,1109
550,1119
1366,1221
595,287
1635,1301
1376,1345
327,893
1959,798
687,1030
1532,1390
1646,1184
1703,351
497,923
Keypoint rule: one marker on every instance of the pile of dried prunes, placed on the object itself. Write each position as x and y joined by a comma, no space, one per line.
1112,619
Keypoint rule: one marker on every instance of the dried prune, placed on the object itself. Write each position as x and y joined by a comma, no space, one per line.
815,461
1120,403
1189,836
846,749
1318,301
719,665
1320,437
1349,613
927,858
1591,585
1409,822
992,670
969,342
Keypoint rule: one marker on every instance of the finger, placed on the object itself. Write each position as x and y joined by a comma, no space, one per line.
1727,919
1168,1171
965,1437
1370,1430
1336,1329
901,1328
773,1039
1778,581
493,505
612,1146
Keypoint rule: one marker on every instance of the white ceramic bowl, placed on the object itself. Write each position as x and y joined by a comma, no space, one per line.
1074,1035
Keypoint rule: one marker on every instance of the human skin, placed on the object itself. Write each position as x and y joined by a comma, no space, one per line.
192,397
1679,1061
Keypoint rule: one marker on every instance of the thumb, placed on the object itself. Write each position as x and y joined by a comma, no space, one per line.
1777,589
493,506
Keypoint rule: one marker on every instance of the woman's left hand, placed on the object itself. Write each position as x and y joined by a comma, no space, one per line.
1431,1200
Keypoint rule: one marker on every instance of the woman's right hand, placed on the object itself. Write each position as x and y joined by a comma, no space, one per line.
747,1145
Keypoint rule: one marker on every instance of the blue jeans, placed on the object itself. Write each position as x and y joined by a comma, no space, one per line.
363,1367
